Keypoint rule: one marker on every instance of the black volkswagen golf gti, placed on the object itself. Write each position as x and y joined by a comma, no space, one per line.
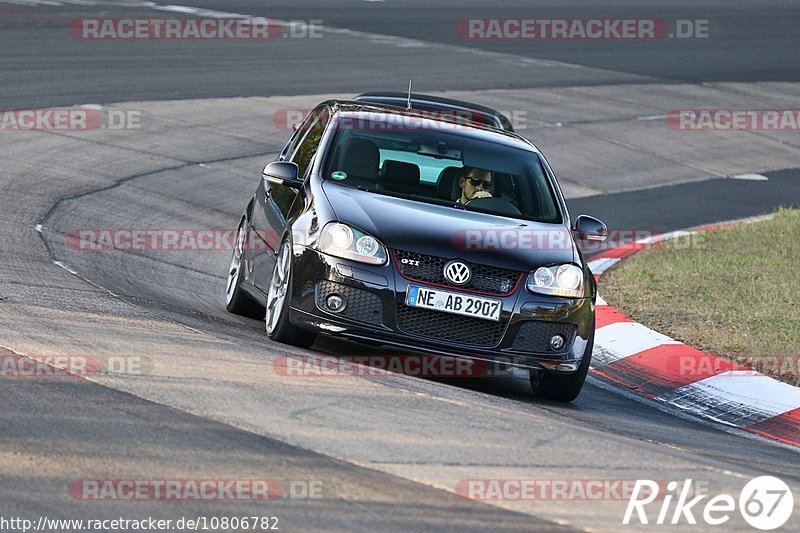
383,225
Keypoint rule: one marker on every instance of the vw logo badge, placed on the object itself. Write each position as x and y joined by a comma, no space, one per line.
457,272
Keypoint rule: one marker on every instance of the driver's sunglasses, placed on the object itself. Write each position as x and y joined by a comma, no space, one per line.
487,184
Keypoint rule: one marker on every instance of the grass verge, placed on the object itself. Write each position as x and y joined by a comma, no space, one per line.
732,292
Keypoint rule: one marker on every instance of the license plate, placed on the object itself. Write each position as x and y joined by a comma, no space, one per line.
451,302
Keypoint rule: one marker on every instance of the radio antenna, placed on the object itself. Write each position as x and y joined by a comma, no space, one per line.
408,102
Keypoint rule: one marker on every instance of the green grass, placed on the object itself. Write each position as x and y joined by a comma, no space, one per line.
732,292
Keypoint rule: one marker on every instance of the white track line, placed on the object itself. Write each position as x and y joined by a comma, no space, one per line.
623,339
736,397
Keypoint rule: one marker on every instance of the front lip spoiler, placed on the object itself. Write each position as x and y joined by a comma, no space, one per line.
303,318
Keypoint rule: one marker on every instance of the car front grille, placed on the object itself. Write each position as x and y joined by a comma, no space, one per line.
448,327
534,336
430,269
362,305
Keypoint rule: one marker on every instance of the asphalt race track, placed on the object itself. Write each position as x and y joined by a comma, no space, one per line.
209,398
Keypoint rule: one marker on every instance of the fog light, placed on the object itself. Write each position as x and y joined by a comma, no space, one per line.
335,303
557,342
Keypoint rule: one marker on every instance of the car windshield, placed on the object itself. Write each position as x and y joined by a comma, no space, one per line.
392,155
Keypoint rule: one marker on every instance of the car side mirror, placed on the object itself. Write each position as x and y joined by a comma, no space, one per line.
590,229
282,173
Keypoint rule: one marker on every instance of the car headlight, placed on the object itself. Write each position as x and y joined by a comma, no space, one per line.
559,280
343,241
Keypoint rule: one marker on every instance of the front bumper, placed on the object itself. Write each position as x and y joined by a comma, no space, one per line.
376,313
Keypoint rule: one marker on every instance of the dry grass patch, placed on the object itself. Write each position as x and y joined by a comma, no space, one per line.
732,292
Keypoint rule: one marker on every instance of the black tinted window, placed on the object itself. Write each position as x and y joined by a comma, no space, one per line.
304,153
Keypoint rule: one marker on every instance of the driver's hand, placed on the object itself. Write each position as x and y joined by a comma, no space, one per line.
481,194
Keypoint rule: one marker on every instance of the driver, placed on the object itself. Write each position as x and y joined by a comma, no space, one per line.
477,183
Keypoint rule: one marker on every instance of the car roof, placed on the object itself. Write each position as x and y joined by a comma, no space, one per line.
468,129
429,102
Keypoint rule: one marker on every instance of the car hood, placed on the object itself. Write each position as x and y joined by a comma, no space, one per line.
449,232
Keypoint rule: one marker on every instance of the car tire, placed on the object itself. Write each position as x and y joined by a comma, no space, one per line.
277,322
561,387
237,301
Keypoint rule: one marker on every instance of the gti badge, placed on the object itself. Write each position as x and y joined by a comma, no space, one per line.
457,272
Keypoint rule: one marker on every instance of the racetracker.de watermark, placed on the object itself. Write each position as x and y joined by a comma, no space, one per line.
167,240
175,29
291,119
418,365
625,29
530,239
419,119
547,489
72,119
211,490
734,119
66,366
705,365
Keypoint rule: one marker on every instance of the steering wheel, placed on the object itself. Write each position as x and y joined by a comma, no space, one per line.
494,204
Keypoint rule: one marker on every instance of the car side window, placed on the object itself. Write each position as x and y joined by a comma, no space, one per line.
300,132
304,153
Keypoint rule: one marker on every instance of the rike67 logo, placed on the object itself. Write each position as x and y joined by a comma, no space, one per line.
765,503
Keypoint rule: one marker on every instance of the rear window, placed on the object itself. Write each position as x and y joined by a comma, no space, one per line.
429,168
